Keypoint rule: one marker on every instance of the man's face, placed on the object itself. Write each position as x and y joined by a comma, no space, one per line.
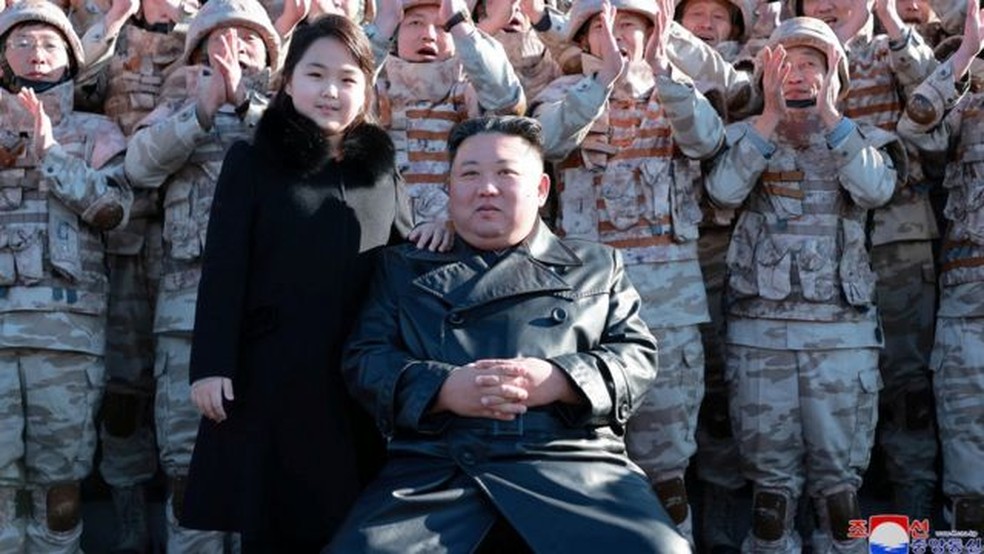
518,22
421,38
833,12
247,43
348,8
914,12
160,11
497,188
709,20
631,31
37,52
808,69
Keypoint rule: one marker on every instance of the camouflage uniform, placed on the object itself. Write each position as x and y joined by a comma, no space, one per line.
530,58
953,126
123,80
802,329
172,154
419,103
53,295
626,177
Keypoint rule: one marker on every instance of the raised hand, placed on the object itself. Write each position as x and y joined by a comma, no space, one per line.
656,45
829,91
294,12
389,14
498,13
226,63
612,63
888,14
973,40
44,137
775,72
449,8
533,9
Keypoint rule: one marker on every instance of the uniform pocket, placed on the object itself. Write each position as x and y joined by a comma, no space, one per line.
28,254
857,278
740,258
579,205
816,268
180,227
772,266
620,191
11,198
866,418
684,205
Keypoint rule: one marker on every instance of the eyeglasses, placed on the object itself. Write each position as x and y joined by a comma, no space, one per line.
24,44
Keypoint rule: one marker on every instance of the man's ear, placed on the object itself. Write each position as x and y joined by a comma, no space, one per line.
543,189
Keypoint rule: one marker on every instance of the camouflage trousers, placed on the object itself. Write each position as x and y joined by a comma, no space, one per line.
177,422
48,405
802,417
958,361
129,454
660,436
907,305
726,510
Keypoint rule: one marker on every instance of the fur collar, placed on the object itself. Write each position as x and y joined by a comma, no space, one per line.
298,145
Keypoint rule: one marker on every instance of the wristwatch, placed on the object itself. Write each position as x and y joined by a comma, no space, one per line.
456,18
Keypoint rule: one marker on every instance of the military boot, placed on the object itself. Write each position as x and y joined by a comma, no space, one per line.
132,536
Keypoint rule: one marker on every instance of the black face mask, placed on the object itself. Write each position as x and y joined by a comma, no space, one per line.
161,28
38,86
808,103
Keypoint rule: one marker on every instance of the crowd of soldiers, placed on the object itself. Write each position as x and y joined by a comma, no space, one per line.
759,222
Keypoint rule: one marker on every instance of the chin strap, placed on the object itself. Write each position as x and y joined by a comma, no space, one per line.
801,103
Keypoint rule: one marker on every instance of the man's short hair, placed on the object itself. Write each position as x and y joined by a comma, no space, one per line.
525,128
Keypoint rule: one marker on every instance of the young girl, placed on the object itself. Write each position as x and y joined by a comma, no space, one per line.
295,224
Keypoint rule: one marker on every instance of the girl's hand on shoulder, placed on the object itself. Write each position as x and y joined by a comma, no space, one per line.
207,395
436,236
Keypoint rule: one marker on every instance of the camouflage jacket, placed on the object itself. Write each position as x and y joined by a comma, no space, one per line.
957,132
52,211
171,151
627,176
798,253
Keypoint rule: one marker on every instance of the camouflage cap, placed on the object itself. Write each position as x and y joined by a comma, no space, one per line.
43,11
744,8
811,32
228,13
583,10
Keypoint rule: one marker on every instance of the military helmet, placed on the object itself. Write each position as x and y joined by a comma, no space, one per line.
43,11
583,10
744,9
226,13
809,31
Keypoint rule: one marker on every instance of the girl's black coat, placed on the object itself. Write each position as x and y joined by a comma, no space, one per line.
291,244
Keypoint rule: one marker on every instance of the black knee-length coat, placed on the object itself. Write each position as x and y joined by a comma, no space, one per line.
291,243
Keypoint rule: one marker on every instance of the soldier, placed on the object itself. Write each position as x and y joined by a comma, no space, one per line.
626,133
802,329
510,22
60,186
885,69
444,70
923,18
949,122
212,102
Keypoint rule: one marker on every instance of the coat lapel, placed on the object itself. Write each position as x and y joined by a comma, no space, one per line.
536,266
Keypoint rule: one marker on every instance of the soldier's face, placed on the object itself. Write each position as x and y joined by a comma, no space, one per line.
348,8
328,86
710,20
37,52
631,31
161,11
497,187
914,12
518,22
808,68
421,38
832,12
247,43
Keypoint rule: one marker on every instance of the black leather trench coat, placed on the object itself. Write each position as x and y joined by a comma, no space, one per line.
559,474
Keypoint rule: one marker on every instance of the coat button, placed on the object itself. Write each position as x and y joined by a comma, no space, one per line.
456,319
558,314
468,457
622,414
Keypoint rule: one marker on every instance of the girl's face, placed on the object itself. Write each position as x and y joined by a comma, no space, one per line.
37,52
327,86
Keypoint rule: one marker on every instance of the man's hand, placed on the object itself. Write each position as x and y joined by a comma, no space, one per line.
656,54
294,12
226,63
972,43
472,392
888,14
119,12
775,71
829,91
612,63
498,14
207,395
543,382
451,7
389,14
533,10
44,137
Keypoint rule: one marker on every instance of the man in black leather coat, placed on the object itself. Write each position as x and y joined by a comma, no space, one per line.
503,372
